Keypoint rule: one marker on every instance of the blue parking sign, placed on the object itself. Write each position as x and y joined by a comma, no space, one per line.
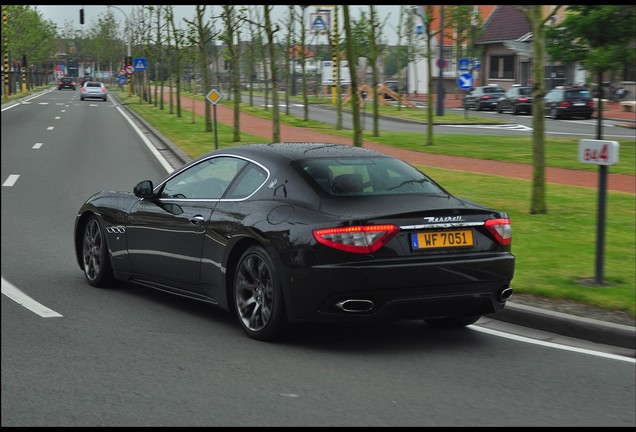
464,64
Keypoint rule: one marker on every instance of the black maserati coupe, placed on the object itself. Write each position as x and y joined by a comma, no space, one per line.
302,232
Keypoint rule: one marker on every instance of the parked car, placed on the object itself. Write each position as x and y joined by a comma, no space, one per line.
569,101
302,232
483,97
391,85
518,99
66,83
94,90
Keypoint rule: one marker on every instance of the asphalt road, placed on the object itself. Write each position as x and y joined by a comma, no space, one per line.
518,125
73,355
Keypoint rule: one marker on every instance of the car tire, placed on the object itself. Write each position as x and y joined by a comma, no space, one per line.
499,109
478,107
515,111
257,296
95,257
554,113
452,322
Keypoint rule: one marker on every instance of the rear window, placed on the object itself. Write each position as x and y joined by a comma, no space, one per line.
493,90
93,84
525,91
368,176
577,94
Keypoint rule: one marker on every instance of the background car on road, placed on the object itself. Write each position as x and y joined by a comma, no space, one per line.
484,97
94,90
303,232
569,101
518,99
66,83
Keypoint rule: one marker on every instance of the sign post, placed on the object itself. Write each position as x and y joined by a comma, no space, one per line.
465,82
602,153
214,96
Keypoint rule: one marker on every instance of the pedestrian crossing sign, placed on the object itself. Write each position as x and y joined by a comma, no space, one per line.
139,63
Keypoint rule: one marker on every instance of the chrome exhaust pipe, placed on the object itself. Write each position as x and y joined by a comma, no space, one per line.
355,305
505,294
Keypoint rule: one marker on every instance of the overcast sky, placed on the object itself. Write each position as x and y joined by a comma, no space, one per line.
62,14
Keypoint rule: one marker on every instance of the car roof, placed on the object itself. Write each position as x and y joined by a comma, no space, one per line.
296,151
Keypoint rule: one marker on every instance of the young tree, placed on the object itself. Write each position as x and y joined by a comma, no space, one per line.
204,36
351,57
598,36
426,15
538,22
231,39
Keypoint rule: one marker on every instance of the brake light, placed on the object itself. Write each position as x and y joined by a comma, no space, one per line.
357,239
523,99
500,229
103,89
485,97
565,104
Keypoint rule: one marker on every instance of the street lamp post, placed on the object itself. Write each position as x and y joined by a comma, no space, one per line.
128,54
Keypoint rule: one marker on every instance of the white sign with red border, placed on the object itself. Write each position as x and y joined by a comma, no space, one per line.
598,152
130,69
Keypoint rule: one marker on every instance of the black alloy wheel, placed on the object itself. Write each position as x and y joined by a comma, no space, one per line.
258,299
97,267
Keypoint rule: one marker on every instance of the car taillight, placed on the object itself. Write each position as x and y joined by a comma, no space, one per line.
357,239
103,89
500,229
485,97
590,104
522,99
565,104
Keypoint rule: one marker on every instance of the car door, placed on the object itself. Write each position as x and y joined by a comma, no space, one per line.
166,235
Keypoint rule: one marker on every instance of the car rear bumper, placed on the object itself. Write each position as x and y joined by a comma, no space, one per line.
388,292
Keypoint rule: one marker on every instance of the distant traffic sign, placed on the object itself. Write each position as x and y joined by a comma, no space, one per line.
130,70
465,81
476,64
214,96
139,63
464,64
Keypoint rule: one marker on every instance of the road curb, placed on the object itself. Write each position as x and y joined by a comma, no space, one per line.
607,333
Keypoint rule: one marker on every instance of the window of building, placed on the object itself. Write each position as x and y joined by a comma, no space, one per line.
502,67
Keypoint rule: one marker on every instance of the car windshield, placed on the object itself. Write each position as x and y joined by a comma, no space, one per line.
368,176
525,91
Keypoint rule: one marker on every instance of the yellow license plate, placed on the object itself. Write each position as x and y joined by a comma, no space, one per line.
442,239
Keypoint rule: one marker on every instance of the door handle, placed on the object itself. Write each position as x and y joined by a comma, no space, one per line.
197,220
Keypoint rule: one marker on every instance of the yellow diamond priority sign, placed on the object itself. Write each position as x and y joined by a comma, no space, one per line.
214,96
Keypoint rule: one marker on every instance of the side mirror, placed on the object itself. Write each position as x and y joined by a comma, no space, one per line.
144,189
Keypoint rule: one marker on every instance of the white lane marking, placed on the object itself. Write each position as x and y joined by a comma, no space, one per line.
10,106
50,128
22,299
10,181
37,145
551,344
146,141
57,117
514,127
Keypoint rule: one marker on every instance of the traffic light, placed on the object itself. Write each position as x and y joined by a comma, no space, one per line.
82,16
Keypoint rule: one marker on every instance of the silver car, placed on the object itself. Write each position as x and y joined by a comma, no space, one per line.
94,89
